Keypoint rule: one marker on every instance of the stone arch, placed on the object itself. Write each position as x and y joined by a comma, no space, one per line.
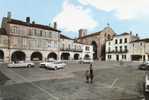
94,44
1,54
76,56
65,56
52,55
86,56
36,56
18,56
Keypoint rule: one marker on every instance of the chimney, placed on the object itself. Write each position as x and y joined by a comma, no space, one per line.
28,20
136,35
55,25
82,33
9,15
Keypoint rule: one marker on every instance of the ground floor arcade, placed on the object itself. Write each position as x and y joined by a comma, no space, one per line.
12,55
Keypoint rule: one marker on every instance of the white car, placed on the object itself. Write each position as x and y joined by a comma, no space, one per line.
47,63
21,64
53,65
147,81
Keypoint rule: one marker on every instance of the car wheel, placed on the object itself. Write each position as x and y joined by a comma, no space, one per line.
29,66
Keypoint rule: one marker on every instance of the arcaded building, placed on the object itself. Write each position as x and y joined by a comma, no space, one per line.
97,40
70,49
29,41
119,48
26,40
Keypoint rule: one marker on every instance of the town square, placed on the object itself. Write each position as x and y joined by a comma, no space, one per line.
74,50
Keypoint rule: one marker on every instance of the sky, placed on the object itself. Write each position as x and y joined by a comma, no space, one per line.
93,15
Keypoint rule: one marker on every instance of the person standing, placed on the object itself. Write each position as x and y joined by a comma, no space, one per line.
91,73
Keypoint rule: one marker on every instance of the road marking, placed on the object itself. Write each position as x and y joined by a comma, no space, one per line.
114,82
41,89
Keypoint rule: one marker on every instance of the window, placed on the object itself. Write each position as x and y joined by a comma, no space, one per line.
115,41
123,56
125,48
120,41
40,32
141,44
120,48
50,34
87,48
133,44
109,56
125,40
35,32
14,29
109,43
116,49
109,49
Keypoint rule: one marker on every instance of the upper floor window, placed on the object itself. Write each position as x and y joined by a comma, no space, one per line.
125,48
50,34
141,43
87,48
116,49
115,41
35,32
120,41
14,29
40,32
125,40
120,48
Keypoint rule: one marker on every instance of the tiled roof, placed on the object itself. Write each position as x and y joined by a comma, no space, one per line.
125,33
65,37
14,21
141,40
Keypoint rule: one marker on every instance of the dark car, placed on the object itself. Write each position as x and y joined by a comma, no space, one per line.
143,66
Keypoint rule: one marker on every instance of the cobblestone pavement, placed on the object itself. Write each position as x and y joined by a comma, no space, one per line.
112,82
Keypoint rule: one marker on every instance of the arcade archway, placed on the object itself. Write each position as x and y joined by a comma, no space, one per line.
76,56
18,56
65,56
52,55
36,56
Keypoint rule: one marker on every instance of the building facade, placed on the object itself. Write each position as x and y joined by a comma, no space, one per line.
70,49
118,48
97,40
139,50
27,40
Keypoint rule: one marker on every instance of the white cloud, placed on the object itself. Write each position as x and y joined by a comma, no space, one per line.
124,9
73,17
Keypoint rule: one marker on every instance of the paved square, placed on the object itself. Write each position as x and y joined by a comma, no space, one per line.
112,82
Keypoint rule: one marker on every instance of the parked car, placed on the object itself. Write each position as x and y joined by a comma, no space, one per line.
19,64
46,63
86,61
1,60
147,81
144,66
53,65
